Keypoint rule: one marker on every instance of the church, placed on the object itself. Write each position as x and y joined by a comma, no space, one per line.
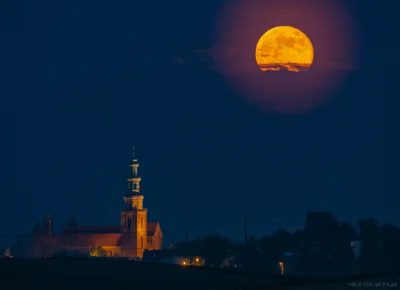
130,239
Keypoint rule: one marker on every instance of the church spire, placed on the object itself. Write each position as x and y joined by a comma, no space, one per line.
134,179
134,216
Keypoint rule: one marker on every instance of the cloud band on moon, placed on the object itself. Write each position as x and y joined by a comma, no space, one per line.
284,48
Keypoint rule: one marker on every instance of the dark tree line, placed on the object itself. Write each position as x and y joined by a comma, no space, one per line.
334,253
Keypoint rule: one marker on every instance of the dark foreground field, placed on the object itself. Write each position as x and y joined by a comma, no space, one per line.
87,274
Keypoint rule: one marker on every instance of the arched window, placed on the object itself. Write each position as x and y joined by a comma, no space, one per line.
129,222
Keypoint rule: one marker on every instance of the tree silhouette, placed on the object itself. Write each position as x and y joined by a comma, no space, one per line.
213,249
341,260
389,242
273,248
247,255
326,251
369,260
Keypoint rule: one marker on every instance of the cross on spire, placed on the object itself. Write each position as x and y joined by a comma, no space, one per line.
133,150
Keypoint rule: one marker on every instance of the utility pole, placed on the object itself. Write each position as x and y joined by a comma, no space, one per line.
245,231
187,249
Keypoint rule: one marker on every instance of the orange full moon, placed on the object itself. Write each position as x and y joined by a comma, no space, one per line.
284,48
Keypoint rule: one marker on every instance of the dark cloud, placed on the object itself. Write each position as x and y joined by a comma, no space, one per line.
209,58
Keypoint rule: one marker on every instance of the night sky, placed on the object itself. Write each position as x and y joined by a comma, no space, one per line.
90,79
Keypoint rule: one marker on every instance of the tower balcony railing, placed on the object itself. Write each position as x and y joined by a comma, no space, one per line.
134,209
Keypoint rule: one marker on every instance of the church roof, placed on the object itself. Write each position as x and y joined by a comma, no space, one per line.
89,239
93,229
152,227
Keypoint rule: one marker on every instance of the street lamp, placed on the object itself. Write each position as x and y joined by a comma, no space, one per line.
282,266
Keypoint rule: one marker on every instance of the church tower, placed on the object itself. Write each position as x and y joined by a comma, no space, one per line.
133,217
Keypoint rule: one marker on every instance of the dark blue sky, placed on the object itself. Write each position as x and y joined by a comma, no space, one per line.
96,77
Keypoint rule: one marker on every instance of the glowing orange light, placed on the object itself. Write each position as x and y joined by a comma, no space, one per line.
281,265
284,48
